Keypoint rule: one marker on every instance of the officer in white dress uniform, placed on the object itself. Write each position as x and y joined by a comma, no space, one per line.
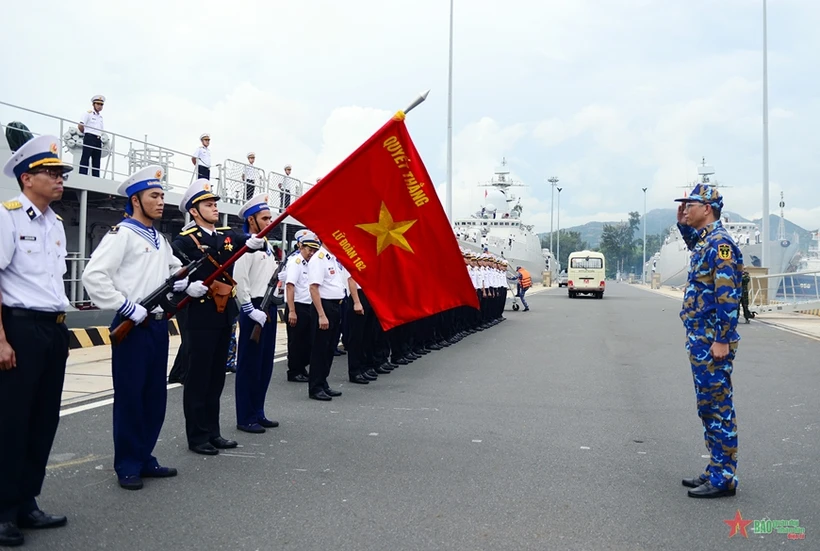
131,261
297,311
250,174
202,157
33,335
327,292
254,366
91,125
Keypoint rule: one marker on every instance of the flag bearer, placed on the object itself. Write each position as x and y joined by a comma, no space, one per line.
254,366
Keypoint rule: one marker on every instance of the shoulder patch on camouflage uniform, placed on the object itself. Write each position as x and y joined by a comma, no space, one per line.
724,251
12,205
114,229
189,231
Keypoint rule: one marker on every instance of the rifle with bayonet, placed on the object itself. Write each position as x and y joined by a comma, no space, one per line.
268,299
159,297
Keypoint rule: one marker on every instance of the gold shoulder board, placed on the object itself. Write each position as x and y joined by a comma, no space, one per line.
321,255
226,228
60,218
13,205
189,231
114,229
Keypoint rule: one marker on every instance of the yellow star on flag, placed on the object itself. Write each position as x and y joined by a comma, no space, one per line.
388,232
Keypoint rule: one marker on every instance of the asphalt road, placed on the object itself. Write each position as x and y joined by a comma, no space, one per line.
566,427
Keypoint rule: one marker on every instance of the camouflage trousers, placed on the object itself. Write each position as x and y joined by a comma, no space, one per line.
713,391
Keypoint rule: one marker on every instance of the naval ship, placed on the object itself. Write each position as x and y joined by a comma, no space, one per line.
672,263
501,231
90,205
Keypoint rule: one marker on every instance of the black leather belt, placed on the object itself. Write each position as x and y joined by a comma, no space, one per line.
37,315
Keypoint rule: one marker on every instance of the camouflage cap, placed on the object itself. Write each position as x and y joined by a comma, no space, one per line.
706,194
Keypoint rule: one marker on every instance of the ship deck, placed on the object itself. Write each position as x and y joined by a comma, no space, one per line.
566,427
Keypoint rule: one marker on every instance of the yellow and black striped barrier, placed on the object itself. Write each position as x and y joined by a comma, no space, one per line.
97,336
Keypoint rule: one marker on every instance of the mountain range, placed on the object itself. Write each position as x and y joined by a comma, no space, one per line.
660,220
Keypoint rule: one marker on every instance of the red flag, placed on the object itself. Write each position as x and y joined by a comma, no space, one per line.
485,193
379,214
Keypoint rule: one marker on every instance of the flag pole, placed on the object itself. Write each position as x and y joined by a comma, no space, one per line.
278,220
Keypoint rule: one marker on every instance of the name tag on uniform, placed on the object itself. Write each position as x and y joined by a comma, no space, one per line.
28,238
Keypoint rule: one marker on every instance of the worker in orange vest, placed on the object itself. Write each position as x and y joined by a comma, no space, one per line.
524,283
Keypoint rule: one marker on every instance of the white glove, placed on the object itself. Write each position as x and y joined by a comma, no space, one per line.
196,289
282,275
258,316
139,314
255,243
181,284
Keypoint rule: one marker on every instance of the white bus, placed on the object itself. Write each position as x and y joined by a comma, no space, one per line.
586,274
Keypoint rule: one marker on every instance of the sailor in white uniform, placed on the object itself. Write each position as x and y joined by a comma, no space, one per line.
254,368
131,261
249,175
33,335
202,157
297,311
91,125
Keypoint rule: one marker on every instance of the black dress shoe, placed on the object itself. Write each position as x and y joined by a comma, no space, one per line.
370,375
391,364
10,535
298,379
380,370
332,393
707,491
223,443
174,380
693,482
359,380
400,361
268,424
387,366
130,482
420,351
159,472
434,346
230,370
320,396
38,519
253,428
204,449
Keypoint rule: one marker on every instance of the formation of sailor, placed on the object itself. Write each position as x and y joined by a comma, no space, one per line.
91,125
130,262
33,336
210,315
253,272
202,157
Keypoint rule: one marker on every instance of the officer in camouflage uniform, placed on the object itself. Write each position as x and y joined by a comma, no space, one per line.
710,314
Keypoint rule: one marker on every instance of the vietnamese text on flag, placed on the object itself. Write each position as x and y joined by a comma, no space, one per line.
379,214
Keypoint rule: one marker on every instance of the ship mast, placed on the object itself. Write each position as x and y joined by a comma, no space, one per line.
781,228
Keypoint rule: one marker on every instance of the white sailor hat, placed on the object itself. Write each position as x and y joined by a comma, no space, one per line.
287,166
35,153
203,136
257,203
301,234
98,98
147,178
251,154
196,192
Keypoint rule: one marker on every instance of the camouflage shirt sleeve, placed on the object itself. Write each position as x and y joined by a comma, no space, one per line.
724,260
689,234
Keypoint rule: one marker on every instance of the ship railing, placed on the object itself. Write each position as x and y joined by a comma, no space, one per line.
121,155
281,190
74,289
785,292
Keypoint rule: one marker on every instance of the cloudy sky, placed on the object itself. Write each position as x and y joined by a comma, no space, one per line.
607,95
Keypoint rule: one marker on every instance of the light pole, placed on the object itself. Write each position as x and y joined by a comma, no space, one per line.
558,227
448,197
553,182
764,256
643,266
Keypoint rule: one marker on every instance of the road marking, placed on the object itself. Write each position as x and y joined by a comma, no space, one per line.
74,462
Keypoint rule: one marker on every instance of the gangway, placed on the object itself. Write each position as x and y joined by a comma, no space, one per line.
795,292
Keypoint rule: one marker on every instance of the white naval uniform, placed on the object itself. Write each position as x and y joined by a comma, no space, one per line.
32,257
297,275
252,272
203,156
129,263
250,172
92,122
325,271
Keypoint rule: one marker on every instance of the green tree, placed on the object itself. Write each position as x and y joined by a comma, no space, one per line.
570,242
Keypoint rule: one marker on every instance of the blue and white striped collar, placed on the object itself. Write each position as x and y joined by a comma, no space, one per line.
150,234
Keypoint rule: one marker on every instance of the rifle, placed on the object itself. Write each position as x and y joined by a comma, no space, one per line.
159,297
267,299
